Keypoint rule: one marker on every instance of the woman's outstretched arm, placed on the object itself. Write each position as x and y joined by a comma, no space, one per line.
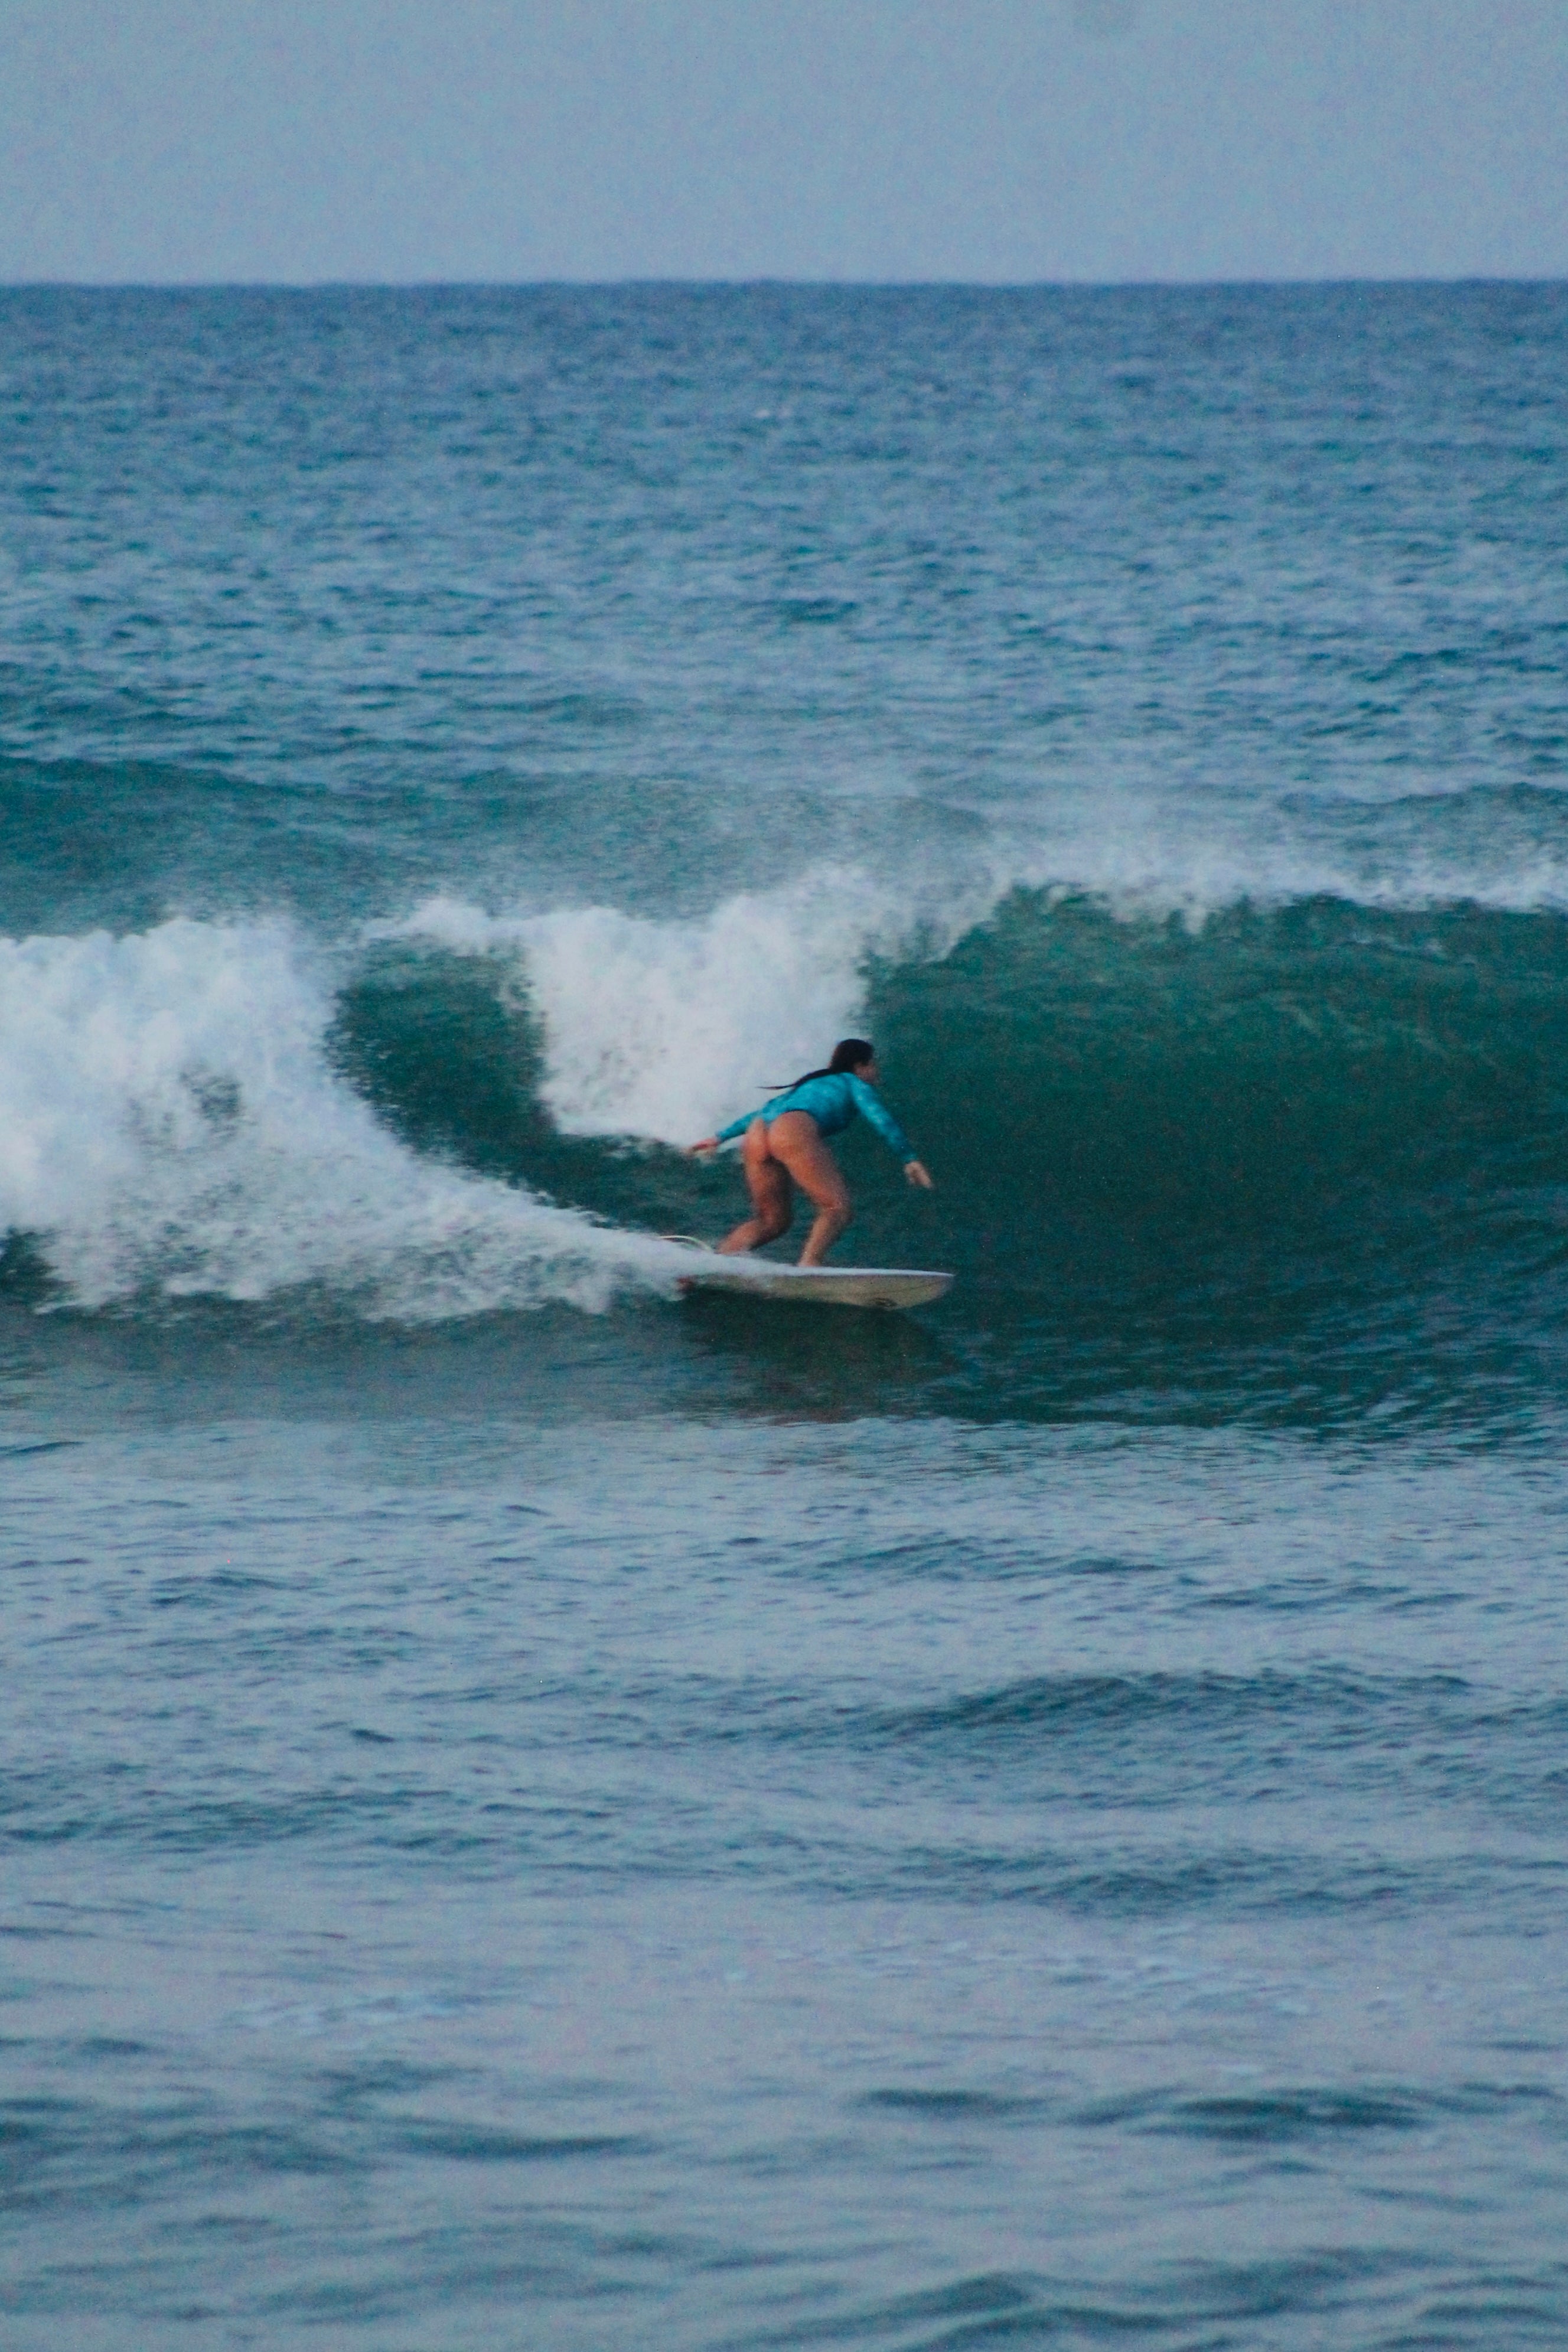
876,1112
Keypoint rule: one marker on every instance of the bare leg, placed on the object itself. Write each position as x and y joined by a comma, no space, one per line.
772,1195
794,1139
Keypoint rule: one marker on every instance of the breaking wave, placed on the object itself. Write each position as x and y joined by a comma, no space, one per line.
1168,1133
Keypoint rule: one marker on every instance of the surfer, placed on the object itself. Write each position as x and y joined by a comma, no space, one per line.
786,1145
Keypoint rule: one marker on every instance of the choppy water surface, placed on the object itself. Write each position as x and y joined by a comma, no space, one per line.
539,1813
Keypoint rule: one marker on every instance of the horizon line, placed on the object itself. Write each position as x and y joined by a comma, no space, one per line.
756,284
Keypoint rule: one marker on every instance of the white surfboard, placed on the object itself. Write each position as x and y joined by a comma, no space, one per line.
817,1286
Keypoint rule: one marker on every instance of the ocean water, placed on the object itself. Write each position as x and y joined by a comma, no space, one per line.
538,1811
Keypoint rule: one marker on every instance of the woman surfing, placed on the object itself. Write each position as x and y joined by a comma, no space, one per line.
786,1145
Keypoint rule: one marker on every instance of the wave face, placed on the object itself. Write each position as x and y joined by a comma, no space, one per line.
1301,1158
1301,1161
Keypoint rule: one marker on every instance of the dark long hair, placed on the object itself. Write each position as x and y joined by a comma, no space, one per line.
849,1054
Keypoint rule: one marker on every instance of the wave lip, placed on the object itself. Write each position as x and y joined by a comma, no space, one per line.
662,1027
667,1030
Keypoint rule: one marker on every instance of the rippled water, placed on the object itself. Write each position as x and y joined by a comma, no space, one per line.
540,1812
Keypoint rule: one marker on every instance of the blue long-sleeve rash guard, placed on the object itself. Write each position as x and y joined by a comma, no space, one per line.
832,1101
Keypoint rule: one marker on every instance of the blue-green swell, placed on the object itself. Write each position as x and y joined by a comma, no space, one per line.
541,1812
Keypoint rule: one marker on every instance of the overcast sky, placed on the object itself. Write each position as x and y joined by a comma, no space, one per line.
298,140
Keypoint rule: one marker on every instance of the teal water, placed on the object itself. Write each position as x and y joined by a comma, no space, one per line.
540,1811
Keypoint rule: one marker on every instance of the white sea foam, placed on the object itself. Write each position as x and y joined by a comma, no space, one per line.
169,1118
667,1030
